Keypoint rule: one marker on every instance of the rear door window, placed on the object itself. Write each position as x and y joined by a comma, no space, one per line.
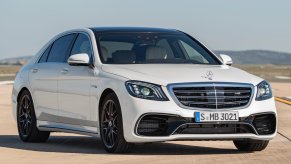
45,55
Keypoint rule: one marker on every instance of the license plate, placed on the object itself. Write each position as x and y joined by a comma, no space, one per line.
216,116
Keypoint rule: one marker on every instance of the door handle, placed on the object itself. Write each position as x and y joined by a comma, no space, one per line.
94,86
64,70
34,70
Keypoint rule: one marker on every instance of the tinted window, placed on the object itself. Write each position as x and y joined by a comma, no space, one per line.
82,45
60,48
44,55
145,48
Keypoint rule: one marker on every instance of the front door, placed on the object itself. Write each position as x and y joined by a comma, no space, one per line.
74,87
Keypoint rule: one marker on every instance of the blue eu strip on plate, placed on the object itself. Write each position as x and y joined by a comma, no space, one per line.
197,116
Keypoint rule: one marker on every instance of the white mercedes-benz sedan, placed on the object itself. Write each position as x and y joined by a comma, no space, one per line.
137,85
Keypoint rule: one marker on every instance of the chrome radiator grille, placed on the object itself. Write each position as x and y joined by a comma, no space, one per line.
213,95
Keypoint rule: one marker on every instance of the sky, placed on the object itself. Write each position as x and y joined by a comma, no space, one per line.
25,26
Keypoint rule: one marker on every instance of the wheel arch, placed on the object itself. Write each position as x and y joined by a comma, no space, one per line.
102,97
20,92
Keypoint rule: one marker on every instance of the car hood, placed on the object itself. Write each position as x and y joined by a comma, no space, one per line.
164,74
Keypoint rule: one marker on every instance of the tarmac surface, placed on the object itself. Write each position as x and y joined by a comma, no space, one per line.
70,148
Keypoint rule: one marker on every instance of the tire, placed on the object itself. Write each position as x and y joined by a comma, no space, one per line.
26,120
250,145
111,126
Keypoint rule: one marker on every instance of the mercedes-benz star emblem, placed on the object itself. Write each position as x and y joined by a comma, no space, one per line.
208,75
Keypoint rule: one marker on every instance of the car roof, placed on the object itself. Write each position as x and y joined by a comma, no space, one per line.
133,29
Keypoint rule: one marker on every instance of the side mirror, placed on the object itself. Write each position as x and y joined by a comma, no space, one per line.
79,59
226,59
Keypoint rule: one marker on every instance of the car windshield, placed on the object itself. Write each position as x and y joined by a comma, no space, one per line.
149,48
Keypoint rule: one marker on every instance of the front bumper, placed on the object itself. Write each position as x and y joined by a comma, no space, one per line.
133,109
202,137
161,125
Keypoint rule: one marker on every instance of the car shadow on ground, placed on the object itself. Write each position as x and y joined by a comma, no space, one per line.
91,145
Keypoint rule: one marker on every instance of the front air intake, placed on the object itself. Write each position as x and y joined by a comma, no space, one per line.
152,126
265,124
158,124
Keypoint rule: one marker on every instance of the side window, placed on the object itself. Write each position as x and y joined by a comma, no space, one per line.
82,45
60,48
192,53
45,55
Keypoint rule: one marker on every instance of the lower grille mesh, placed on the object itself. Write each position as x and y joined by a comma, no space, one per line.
265,124
215,129
152,126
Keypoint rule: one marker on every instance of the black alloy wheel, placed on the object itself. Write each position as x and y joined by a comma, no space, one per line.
109,124
111,127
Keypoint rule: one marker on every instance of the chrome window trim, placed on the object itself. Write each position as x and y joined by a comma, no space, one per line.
51,42
210,84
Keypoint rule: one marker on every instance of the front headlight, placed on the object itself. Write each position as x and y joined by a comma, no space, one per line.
145,90
264,91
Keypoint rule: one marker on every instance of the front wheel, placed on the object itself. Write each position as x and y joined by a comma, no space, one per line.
111,127
250,145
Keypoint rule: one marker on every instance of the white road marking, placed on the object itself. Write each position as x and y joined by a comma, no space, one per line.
283,77
6,82
6,75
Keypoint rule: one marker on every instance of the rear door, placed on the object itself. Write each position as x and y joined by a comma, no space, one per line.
44,78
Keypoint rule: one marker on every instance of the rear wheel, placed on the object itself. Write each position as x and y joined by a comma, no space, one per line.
111,126
26,120
250,145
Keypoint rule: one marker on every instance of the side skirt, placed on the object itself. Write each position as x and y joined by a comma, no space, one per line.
58,127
